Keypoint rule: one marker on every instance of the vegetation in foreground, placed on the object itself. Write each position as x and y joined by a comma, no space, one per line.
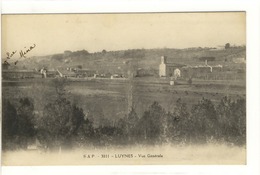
64,125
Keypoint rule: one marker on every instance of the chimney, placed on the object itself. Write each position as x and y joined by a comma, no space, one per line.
206,62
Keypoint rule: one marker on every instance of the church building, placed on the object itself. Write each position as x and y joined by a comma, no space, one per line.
169,69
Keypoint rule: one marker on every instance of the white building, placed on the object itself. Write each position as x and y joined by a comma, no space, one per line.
177,73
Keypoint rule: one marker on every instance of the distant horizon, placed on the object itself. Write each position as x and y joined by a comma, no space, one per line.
195,47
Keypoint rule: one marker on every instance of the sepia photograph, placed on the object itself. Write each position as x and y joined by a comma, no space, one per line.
124,89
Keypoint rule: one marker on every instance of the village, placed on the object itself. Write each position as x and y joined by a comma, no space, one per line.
166,70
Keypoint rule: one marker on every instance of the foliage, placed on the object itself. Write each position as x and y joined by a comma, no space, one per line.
26,122
131,125
79,53
152,124
190,81
18,124
85,131
61,120
64,124
227,45
203,121
9,124
59,123
232,120
134,53
178,122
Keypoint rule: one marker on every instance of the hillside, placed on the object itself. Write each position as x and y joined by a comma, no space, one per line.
114,61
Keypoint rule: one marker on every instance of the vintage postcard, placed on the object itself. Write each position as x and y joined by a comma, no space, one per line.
124,89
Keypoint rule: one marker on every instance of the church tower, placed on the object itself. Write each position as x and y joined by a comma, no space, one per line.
162,66
163,59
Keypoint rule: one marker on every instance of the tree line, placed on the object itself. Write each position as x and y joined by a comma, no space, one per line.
65,125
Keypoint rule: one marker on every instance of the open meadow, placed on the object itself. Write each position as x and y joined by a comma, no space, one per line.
111,97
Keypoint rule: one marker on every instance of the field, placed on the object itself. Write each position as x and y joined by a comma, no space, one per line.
113,98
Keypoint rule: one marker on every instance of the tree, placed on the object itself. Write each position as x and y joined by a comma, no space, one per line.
152,125
79,53
9,124
109,135
84,130
239,113
18,124
203,121
232,120
96,115
227,45
26,122
225,119
60,121
134,53
131,125
178,122
104,51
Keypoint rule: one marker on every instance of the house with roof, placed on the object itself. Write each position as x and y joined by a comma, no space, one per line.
85,73
67,74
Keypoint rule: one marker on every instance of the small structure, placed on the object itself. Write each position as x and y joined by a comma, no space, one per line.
67,74
85,73
217,68
43,71
177,73
116,76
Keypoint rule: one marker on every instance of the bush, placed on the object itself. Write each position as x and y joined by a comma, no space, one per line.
18,124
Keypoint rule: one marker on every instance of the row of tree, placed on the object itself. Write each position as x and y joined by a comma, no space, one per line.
64,125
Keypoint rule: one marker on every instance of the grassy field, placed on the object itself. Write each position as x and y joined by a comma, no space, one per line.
110,98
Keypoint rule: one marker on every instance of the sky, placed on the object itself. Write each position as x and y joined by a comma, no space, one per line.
55,33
